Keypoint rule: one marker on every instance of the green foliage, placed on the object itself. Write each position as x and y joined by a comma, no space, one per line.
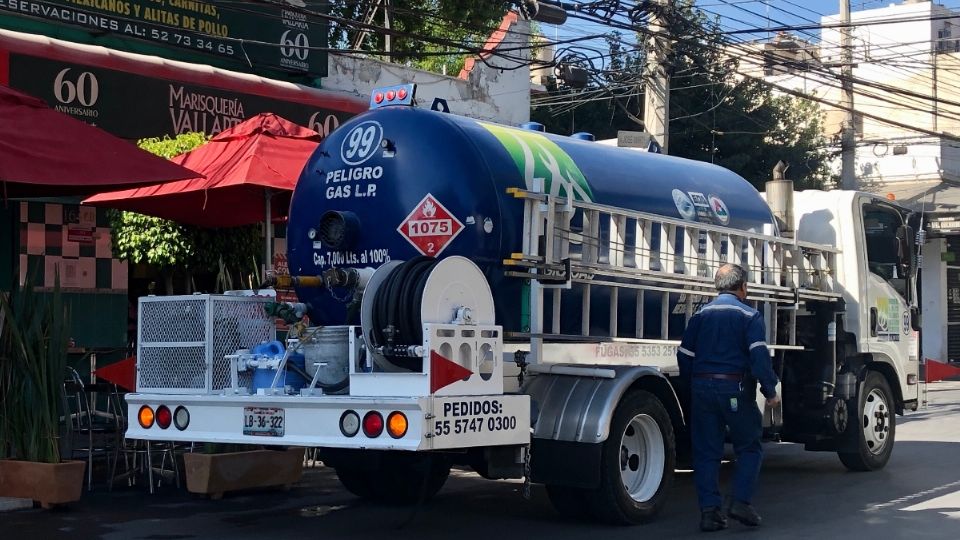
34,332
168,148
144,239
716,115
454,22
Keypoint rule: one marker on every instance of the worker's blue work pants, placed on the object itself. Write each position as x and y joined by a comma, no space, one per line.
711,413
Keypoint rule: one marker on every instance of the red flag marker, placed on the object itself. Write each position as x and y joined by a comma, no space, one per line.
443,372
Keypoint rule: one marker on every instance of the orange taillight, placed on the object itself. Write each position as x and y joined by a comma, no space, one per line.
397,424
146,417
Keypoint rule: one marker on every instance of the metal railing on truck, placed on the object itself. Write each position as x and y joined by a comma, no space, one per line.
572,246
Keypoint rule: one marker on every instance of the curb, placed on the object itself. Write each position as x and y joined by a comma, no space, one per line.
10,503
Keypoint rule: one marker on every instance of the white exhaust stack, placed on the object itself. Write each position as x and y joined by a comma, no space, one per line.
779,193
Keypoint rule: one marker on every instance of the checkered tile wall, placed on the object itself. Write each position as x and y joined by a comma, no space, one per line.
74,239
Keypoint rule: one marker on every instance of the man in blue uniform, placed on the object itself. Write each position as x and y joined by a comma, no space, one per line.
722,352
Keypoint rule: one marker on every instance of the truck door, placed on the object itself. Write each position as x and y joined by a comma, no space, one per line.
890,291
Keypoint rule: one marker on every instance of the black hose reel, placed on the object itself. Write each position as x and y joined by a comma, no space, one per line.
403,296
397,322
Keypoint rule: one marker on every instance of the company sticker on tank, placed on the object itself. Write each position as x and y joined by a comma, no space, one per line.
720,210
695,206
430,227
684,205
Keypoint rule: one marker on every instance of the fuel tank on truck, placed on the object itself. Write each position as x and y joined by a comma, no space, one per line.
409,182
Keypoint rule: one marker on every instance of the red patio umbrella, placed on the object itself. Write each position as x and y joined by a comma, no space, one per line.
45,153
250,171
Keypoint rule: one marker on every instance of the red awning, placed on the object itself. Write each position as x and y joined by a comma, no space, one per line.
259,157
44,153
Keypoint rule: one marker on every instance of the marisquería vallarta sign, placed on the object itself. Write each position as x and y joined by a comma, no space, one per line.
134,106
258,33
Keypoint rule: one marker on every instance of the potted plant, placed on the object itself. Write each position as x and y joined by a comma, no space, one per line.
34,333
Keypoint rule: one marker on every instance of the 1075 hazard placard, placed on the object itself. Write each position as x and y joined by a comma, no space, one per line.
430,227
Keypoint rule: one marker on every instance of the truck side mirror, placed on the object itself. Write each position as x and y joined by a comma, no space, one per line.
916,319
905,249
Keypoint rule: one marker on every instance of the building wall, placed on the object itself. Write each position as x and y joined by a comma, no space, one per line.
934,306
904,56
493,90
62,245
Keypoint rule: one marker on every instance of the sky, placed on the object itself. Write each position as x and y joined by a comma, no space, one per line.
738,14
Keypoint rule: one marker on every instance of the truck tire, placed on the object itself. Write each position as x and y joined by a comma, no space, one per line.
400,478
874,425
357,481
570,502
637,462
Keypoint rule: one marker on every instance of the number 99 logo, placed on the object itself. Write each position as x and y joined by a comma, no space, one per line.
361,142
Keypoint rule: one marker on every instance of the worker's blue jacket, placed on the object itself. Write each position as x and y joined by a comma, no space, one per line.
727,336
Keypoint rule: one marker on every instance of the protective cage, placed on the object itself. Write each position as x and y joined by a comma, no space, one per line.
182,340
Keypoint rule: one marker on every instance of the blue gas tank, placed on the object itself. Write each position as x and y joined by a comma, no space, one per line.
409,182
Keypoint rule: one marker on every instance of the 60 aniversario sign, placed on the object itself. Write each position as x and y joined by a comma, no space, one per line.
250,32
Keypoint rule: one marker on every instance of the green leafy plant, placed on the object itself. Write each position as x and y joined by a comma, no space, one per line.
171,246
33,360
435,35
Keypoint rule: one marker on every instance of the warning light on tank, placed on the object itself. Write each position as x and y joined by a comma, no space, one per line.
400,94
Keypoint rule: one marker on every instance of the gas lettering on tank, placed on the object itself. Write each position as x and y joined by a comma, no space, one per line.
365,186
339,192
354,174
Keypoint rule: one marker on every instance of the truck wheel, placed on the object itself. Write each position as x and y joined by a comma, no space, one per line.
874,425
400,478
569,502
637,462
357,481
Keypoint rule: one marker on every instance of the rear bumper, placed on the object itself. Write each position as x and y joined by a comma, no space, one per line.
434,423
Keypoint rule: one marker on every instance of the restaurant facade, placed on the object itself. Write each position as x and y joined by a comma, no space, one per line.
132,96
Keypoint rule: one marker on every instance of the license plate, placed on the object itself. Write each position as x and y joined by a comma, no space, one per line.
263,421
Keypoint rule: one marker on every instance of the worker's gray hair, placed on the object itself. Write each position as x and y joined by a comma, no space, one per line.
730,277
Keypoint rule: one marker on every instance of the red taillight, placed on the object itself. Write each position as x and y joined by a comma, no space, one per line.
378,97
164,417
402,93
390,95
372,424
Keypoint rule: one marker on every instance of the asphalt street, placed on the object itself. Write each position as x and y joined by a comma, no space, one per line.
802,495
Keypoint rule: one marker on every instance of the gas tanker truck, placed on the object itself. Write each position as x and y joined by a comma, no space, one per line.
472,294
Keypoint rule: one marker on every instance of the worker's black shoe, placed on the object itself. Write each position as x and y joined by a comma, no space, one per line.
711,519
744,513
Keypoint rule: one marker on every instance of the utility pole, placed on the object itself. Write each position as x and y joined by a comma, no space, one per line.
386,25
656,95
848,148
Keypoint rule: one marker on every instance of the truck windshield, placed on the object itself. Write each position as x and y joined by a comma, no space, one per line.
880,224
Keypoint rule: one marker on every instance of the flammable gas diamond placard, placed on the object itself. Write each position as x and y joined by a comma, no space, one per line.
430,227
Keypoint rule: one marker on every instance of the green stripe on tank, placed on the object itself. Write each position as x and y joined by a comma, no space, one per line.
538,157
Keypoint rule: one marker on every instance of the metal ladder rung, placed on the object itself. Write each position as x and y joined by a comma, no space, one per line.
614,250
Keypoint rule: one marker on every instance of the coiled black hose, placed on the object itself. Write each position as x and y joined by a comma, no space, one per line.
397,306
